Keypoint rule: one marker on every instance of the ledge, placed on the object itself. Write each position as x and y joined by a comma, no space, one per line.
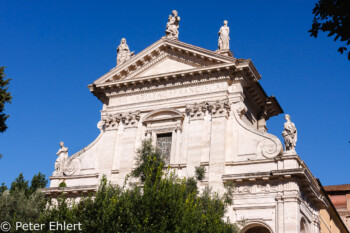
73,176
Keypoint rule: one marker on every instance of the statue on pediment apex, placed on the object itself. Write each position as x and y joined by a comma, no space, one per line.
61,160
289,134
123,51
224,38
172,26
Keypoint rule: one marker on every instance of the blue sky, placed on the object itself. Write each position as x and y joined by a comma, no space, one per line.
54,49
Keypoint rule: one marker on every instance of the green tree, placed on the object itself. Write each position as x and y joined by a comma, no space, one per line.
20,203
333,16
3,188
5,97
38,182
19,184
17,206
158,202
148,157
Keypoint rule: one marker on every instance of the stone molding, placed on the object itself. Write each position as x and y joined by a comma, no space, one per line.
172,79
302,176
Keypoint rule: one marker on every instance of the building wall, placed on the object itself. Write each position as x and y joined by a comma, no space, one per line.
329,223
340,197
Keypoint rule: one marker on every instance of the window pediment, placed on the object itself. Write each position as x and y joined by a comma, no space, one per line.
162,115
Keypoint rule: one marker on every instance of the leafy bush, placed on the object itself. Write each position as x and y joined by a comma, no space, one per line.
161,202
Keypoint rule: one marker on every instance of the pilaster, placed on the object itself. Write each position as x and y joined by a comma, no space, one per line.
105,163
127,156
220,111
196,113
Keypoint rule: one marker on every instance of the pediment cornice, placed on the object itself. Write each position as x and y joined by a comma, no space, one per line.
163,48
164,81
172,75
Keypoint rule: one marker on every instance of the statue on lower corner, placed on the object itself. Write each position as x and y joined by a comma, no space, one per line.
124,53
61,160
224,38
172,26
289,134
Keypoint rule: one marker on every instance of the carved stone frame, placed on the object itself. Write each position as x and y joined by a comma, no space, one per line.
163,121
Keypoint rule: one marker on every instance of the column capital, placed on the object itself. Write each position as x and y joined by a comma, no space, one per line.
220,108
196,111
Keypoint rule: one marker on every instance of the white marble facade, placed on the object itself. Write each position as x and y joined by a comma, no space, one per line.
215,110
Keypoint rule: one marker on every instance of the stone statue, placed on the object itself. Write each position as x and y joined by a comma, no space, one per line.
61,161
289,134
224,38
124,53
173,25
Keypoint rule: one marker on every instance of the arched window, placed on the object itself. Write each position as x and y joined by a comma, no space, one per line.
303,226
256,228
164,126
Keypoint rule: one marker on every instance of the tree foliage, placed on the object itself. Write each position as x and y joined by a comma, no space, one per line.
5,97
19,184
23,203
155,201
3,188
38,182
333,16
160,202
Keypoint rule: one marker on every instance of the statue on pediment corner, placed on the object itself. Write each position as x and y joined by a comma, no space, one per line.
61,160
224,38
124,53
172,26
289,134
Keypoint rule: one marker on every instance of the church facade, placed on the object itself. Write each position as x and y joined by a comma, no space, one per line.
201,108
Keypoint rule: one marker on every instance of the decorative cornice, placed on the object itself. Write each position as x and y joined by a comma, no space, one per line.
73,191
171,75
153,50
161,85
300,175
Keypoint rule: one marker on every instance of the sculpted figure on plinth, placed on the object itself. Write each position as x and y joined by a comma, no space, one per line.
124,53
224,38
289,134
172,26
61,160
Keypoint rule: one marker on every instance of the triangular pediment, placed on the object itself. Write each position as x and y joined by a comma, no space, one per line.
164,56
169,64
